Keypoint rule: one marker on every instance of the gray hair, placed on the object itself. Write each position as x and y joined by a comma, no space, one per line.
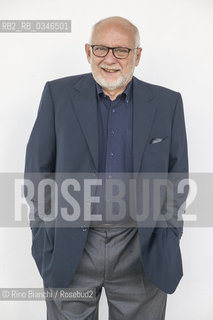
117,18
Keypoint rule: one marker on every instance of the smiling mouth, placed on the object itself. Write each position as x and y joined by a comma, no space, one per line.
110,70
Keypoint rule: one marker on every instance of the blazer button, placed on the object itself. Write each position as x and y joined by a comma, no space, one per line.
84,228
94,173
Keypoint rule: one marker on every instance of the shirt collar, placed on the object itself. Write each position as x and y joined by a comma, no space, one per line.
126,92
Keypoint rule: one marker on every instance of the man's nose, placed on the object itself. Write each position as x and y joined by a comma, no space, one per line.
110,58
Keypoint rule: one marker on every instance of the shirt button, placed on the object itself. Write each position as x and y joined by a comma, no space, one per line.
112,132
111,154
113,110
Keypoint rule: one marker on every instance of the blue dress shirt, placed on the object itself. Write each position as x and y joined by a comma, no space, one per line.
115,152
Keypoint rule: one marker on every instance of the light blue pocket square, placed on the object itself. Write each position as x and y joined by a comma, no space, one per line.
156,140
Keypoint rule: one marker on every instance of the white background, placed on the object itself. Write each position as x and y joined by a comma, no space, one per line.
176,37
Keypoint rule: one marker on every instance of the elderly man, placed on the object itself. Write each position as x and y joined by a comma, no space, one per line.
109,122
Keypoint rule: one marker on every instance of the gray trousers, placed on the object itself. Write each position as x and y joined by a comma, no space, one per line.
111,259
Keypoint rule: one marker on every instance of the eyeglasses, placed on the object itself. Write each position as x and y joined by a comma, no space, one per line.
118,52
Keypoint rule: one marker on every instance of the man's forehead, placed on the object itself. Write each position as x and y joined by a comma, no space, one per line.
113,32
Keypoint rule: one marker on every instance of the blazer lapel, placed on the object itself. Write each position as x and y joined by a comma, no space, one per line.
143,115
85,104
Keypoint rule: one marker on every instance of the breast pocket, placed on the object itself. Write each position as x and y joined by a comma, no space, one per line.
158,146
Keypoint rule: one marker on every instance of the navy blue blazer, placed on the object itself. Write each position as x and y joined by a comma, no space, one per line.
65,139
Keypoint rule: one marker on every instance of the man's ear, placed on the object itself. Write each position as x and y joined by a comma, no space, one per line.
88,52
138,56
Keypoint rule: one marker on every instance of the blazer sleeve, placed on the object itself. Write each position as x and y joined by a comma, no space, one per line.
177,171
178,158
41,147
40,157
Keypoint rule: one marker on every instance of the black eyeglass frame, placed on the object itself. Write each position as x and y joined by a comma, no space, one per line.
111,48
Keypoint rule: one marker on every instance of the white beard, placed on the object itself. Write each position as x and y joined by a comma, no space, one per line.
114,84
